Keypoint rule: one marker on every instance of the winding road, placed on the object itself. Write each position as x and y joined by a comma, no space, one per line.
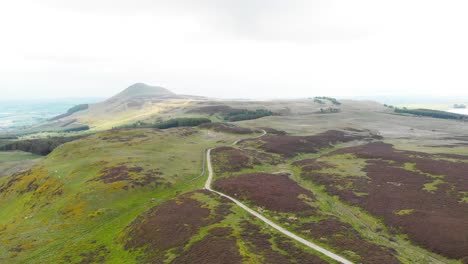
263,134
264,219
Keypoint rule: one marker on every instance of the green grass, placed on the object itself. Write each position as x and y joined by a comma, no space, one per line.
405,212
464,199
432,186
98,211
417,145
8,156
75,165
344,165
13,161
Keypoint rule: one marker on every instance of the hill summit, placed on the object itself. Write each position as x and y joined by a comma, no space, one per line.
141,90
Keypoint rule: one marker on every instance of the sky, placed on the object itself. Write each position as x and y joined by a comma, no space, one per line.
233,49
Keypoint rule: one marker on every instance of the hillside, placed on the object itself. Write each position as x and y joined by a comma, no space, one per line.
136,196
137,102
86,203
361,182
150,104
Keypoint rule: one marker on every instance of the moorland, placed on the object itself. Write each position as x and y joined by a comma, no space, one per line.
123,181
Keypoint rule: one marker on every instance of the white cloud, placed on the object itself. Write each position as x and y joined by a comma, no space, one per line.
238,48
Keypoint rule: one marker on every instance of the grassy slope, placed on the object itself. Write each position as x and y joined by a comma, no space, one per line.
16,156
68,215
41,225
88,214
11,162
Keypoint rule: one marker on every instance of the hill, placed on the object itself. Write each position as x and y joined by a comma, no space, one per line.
144,103
104,199
136,195
142,91
137,102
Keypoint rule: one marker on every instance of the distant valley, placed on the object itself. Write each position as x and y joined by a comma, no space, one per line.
22,114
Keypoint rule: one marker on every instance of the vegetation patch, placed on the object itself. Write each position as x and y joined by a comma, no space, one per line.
271,191
321,99
166,226
7,137
289,146
273,131
74,210
229,159
122,135
42,146
216,109
71,111
227,128
261,243
342,236
405,212
76,129
170,123
432,186
216,247
97,255
134,176
12,162
38,183
345,165
247,115
431,113
397,180
169,227
182,122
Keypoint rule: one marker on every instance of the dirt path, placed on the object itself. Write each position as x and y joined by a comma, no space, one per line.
263,134
264,219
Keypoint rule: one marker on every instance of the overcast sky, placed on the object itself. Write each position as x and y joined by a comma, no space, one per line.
236,48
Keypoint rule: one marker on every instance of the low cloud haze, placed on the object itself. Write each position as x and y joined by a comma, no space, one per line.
238,48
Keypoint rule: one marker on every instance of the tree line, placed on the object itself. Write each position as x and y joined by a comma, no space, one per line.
247,115
71,111
431,113
174,122
318,99
40,146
